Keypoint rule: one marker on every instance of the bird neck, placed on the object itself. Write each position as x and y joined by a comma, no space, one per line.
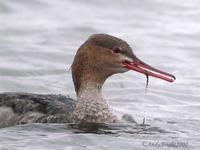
91,89
91,105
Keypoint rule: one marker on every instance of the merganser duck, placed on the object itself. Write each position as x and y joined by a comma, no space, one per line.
97,59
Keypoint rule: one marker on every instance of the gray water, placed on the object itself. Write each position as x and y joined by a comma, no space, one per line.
39,38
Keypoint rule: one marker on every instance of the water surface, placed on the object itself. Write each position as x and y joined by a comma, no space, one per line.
39,39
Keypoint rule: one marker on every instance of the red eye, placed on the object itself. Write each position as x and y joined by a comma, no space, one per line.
117,50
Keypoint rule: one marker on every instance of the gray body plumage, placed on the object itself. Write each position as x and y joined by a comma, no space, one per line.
21,108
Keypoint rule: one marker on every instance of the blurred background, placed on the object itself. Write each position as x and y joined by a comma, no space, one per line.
39,38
